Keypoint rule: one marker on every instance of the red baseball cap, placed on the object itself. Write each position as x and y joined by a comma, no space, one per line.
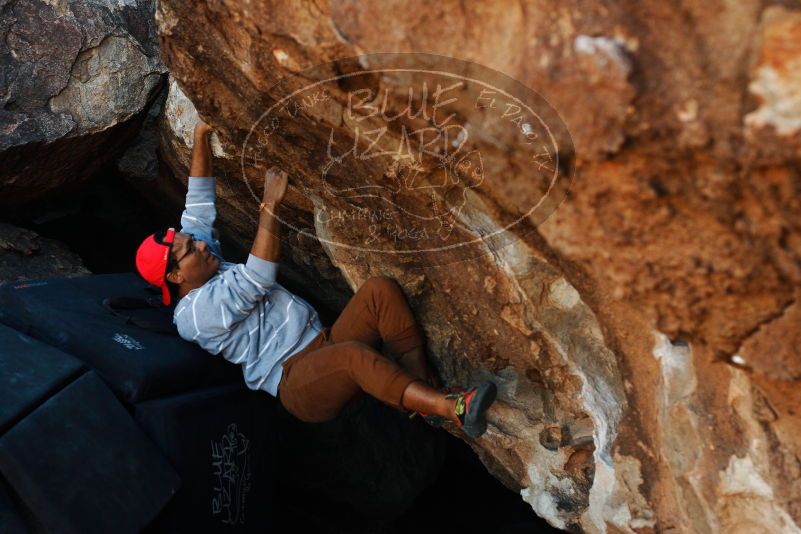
151,261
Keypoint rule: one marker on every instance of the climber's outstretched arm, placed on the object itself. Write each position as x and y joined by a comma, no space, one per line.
201,151
266,244
200,212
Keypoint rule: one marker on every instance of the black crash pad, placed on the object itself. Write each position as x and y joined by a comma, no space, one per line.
220,440
81,464
30,371
13,516
138,364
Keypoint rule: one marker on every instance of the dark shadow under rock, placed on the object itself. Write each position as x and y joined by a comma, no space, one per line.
24,255
359,471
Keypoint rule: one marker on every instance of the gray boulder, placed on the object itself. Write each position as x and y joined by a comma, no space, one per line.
24,255
75,76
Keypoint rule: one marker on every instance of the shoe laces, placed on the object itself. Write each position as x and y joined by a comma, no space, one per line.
462,396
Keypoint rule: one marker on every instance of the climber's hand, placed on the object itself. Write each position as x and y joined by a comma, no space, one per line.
275,182
201,128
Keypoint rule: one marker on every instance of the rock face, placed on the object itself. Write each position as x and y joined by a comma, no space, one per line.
140,161
73,75
24,255
643,334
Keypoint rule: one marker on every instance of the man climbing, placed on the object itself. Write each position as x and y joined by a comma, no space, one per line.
243,313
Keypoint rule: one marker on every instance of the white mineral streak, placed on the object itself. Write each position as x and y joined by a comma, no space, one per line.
617,500
538,494
683,446
781,99
584,354
776,80
182,116
607,52
747,501
678,373
742,477
637,513
563,295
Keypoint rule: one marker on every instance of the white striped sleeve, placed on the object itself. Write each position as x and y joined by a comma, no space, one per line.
263,271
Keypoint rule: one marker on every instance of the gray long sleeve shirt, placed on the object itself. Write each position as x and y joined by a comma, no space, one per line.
241,312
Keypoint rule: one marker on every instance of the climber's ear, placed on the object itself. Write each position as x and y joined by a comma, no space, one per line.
176,277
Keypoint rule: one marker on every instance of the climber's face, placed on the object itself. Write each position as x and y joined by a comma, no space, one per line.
191,260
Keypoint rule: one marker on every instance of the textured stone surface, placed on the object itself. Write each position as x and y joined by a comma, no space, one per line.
140,161
776,78
72,75
635,334
24,255
774,127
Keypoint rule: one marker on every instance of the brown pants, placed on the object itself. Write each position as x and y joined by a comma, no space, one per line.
343,361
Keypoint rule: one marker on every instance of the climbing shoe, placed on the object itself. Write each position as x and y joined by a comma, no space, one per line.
471,406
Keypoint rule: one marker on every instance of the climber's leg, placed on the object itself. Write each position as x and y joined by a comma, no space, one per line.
316,385
379,312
